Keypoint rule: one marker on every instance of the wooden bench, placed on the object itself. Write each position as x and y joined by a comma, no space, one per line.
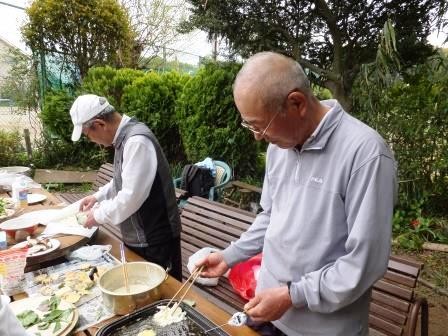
103,176
394,309
211,224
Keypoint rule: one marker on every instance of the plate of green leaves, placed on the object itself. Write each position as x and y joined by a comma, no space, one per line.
6,207
45,315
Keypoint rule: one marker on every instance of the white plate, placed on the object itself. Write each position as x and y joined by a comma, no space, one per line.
36,198
33,303
54,245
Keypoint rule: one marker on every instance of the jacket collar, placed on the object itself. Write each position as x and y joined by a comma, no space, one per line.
326,127
125,123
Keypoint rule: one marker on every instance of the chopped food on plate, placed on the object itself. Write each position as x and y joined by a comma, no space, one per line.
71,286
38,244
6,207
44,316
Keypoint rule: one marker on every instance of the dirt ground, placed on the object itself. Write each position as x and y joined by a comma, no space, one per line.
435,271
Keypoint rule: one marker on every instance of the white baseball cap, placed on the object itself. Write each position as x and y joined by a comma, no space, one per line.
85,108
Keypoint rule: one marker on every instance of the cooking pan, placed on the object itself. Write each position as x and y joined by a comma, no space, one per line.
140,320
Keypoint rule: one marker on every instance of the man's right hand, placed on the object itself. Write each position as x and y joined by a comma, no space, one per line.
87,203
214,264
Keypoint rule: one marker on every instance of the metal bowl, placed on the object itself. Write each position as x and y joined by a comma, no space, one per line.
144,280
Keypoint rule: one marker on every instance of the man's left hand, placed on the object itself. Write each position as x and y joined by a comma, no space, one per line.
90,222
269,305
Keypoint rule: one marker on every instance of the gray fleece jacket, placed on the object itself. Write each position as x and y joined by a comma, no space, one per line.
325,225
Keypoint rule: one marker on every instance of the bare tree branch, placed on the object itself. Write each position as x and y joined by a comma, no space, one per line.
155,23
327,74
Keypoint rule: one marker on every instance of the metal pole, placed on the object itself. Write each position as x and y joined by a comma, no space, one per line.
11,5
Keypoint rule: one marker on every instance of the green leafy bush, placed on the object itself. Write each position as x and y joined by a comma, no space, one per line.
109,82
57,153
412,227
209,122
55,114
56,149
12,152
152,100
411,115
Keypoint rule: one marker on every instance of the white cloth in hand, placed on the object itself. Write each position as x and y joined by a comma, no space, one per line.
197,256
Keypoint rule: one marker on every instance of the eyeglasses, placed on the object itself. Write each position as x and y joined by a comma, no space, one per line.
251,128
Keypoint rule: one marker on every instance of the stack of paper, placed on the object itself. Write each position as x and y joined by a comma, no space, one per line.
68,225
60,221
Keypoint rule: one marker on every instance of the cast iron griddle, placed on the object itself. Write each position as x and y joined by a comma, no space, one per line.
195,324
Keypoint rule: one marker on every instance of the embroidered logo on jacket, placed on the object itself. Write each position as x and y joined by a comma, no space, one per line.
316,179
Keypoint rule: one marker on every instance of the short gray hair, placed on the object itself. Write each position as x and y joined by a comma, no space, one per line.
273,76
107,115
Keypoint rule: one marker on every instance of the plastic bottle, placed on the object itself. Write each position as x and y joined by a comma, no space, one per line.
20,193
3,244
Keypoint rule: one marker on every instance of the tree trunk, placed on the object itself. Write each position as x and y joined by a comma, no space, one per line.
340,94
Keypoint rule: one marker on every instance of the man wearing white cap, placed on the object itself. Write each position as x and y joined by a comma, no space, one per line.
140,199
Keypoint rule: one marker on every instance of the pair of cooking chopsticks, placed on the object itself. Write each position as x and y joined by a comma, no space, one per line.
125,268
193,276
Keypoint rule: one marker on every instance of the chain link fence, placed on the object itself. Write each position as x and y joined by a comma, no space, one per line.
12,119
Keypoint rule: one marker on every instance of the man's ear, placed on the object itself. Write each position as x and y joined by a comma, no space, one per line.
100,123
297,102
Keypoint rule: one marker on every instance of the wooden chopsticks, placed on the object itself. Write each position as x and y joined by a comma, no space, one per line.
193,276
125,268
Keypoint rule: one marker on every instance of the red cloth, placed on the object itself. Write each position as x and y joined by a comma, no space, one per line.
243,277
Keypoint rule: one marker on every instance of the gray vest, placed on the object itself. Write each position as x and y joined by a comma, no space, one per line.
157,220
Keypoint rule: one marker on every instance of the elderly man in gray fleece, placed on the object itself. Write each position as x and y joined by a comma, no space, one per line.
328,197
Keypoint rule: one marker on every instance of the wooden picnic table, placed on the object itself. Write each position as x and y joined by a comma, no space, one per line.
50,201
168,288
247,194
68,242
